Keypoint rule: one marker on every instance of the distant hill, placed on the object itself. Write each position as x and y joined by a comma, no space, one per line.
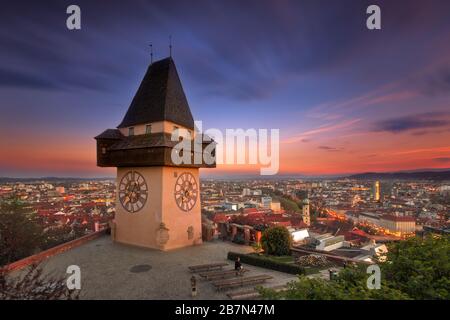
414,175
425,174
51,179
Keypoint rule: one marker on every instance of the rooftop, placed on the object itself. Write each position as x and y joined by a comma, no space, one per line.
160,97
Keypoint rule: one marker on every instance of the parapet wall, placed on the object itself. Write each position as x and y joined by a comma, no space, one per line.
36,258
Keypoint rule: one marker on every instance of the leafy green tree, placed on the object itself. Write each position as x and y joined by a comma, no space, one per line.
21,235
55,236
276,241
414,269
351,284
257,247
288,204
302,289
420,267
20,232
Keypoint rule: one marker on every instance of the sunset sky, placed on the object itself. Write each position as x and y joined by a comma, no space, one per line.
346,99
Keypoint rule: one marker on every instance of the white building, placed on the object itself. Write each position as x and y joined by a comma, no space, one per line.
299,235
266,202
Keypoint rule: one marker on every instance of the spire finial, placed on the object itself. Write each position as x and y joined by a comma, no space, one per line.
170,46
151,53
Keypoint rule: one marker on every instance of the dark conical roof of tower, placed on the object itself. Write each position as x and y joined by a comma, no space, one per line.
160,97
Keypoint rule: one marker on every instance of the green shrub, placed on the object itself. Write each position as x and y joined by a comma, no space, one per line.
266,262
239,239
276,241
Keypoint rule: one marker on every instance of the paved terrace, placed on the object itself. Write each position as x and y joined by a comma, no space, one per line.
107,270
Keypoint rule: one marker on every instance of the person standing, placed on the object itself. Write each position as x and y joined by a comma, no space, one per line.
238,266
193,286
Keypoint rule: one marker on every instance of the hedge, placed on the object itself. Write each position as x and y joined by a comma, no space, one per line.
261,261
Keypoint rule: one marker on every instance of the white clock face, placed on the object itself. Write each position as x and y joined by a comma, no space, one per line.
133,191
186,191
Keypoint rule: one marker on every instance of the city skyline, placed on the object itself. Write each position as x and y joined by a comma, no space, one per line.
345,99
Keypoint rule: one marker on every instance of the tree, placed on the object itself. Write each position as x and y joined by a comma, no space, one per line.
276,241
318,208
20,232
286,201
414,269
257,247
420,267
349,285
31,284
20,236
288,204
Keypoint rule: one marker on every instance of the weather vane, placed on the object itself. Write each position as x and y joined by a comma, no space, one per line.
151,53
170,45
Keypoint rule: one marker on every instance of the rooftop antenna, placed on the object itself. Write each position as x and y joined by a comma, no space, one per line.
151,53
170,46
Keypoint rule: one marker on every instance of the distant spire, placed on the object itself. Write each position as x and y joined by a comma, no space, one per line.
170,46
151,53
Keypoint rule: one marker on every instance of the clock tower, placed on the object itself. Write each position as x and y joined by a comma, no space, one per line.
157,200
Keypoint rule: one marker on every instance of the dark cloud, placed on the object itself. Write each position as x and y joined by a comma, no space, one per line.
330,149
431,120
241,50
438,82
25,79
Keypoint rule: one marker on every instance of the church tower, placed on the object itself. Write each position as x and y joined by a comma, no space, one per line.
305,212
157,200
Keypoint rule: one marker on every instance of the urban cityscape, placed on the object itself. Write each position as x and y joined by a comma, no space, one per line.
251,153
354,211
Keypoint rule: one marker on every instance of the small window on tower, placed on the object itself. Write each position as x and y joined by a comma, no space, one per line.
148,129
131,131
103,150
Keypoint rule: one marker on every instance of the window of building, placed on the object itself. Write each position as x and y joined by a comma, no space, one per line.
103,150
148,128
131,131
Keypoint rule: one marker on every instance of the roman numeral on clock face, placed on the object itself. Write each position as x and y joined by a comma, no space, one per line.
133,191
186,191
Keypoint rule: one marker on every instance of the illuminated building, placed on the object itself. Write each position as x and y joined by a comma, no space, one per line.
401,225
305,212
376,191
266,202
158,199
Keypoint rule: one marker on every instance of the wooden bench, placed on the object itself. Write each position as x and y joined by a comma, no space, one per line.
252,294
215,275
207,267
240,281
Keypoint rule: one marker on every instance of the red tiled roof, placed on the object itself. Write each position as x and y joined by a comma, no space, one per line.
281,223
358,232
220,217
399,218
